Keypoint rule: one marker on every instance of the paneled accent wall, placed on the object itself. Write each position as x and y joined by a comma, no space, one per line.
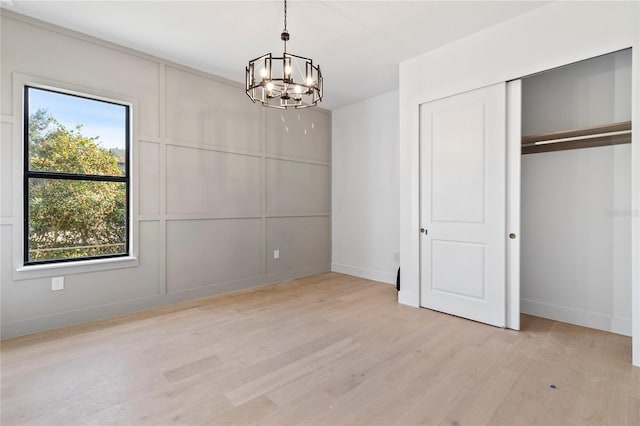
219,183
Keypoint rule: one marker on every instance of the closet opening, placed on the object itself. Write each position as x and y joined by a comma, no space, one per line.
575,253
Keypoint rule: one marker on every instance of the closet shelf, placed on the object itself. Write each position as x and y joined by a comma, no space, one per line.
608,134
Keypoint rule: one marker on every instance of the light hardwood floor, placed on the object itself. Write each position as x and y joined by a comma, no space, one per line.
328,349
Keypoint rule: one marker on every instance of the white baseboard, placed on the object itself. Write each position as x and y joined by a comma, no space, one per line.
369,274
575,316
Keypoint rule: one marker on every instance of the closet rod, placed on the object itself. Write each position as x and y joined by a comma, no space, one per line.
603,135
577,138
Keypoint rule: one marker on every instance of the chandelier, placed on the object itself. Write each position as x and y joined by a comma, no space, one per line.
284,82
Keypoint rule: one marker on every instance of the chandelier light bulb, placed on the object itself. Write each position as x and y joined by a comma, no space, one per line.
298,89
270,86
263,73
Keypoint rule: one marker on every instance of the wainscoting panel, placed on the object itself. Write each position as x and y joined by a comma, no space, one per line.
208,252
301,241
202,181
299,133
210,112
294,188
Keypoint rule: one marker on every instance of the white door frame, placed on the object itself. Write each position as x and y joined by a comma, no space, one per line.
514,120
635,202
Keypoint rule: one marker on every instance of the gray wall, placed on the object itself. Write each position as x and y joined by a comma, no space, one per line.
576,204
219,183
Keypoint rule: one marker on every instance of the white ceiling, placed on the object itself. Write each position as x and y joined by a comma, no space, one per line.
358,44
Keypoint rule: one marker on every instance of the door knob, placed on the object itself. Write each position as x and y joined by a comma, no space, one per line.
512,236
424,231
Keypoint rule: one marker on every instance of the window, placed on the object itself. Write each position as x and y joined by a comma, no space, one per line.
76,177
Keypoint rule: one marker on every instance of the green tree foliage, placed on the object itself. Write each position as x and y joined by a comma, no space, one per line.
72,218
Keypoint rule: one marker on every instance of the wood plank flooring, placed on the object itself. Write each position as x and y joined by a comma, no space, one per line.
328,350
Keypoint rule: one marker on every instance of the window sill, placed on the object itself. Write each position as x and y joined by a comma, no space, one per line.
80,267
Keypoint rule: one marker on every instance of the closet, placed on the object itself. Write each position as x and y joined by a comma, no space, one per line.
576,193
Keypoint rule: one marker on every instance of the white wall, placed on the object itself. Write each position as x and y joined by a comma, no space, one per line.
584,94
576,227
365,188
218,183
547,37
576,237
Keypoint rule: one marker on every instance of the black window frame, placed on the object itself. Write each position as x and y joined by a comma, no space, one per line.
31,174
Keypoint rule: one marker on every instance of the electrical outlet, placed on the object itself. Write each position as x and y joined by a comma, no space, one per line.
57,283
276,254
396,256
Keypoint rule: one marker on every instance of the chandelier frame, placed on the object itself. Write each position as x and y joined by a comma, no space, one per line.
287,81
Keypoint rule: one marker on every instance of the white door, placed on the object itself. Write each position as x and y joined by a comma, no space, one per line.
462,211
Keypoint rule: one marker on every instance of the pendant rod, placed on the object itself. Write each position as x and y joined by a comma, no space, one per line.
285,34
